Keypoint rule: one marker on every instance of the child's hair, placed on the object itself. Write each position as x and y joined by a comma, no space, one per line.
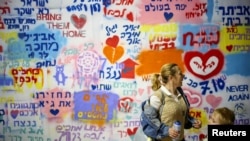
225,115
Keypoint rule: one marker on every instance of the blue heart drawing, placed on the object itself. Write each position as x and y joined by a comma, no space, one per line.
93,87
22,35
54,112
168,16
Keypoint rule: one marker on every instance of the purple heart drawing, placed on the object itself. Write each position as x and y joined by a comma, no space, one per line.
168,16
14,113
54,112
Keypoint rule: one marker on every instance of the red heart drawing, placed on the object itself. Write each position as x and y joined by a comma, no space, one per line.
205,65
1,48
78,22
130,16
113,41
213,100
130,132
202,136
229,47
125,104
14,113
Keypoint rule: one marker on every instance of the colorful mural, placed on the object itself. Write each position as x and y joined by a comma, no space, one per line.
78,70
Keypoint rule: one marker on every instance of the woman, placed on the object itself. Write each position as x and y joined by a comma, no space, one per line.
176,107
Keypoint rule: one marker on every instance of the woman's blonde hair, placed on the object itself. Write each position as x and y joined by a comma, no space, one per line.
225,115
162,78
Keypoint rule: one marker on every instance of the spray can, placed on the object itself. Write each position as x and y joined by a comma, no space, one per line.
177,127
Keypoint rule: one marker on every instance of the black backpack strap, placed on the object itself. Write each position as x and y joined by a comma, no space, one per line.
184,97
188,123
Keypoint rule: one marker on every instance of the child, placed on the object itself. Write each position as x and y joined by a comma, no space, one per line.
220,116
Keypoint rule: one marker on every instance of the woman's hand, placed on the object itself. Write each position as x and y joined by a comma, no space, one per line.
173,133
197,124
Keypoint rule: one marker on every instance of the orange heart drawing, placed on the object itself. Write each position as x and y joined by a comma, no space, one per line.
112,41
113,54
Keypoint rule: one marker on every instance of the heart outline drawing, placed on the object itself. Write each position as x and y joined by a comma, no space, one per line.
194,99
78,22
125,104
205,65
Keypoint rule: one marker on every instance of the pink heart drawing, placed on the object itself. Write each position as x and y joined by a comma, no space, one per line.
140,91
194,99
213,100
78,22
14,113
